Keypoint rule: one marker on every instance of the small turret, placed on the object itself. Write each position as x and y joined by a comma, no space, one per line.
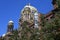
55,5
10,26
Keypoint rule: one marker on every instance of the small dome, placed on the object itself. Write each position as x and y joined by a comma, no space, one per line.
3,35
11,21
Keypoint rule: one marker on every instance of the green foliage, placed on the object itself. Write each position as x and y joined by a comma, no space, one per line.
29,34
14,35
50,29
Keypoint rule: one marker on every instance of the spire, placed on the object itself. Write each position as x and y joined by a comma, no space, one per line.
28,4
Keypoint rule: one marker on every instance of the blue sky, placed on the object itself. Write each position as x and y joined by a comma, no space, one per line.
10,10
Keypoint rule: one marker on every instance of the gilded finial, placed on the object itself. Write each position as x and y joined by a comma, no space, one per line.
28,4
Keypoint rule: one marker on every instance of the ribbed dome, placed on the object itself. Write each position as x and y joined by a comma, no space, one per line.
30,7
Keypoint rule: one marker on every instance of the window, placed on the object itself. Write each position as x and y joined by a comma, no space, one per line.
47,19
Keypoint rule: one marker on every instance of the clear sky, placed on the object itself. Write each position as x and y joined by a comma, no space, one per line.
10,10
